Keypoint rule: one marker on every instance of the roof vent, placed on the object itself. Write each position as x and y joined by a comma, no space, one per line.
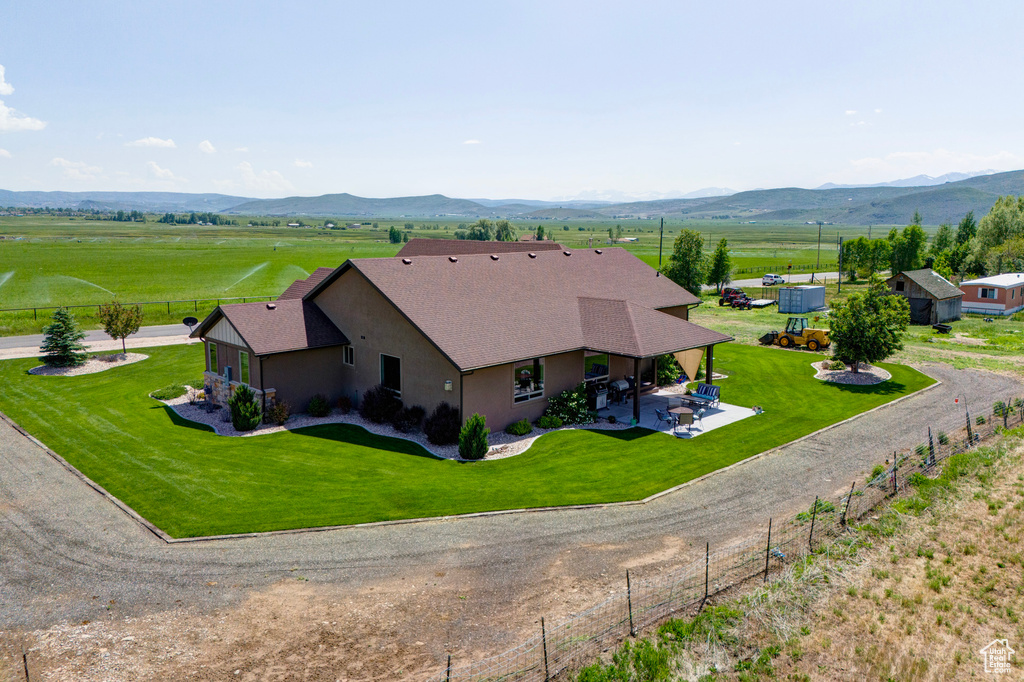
598,251
453,259
567,253
271,306
494,257
407,261
532,255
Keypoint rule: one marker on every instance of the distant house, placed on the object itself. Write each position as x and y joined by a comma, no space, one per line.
293,224
498,332
354,226
996,295
933,298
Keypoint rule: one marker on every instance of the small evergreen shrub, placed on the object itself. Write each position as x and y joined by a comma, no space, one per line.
408,419
245,411
379,405
62,341
443,425
519,428
571,406
345,404
170,392
473,438
318,406
279,413
549,422
836,365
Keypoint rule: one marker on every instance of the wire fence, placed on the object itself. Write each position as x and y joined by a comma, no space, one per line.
557,651
184,305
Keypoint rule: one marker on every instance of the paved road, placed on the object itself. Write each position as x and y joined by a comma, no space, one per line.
790,279
153,332
64,546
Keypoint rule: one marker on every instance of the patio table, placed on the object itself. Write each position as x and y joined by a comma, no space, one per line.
681,414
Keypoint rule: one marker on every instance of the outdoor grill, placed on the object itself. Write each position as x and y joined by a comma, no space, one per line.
597,396
618,390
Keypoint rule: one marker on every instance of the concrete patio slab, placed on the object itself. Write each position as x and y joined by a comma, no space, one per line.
714,418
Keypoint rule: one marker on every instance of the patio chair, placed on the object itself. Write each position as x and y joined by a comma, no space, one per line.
664,417
698,415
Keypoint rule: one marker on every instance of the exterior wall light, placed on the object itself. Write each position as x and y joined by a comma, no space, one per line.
448,385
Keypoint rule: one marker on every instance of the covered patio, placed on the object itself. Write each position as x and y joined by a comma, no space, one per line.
716,417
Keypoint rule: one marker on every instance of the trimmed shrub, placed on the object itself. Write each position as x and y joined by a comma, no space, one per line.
549,422
611,419
345,404
571,406
318,406
245,411
408,419
170,392
519,428
379,405
473,438
443,425
279,413
835,365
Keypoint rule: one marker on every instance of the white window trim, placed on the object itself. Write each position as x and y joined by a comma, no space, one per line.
533,395
401,372
346,352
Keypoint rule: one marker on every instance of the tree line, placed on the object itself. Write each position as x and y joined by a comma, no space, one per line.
195,219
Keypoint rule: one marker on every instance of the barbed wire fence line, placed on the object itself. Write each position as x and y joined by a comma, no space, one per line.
558,650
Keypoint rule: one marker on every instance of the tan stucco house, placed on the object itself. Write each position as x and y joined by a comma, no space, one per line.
496,330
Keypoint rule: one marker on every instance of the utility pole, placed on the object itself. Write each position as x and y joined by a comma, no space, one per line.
817,266
661,238
839,282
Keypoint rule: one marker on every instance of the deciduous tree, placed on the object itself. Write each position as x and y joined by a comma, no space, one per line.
687,266
721,265
120,322
504,232
868,326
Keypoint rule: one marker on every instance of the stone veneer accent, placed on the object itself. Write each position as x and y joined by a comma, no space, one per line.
220,390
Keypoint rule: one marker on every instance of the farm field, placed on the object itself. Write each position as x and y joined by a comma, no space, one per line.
191,482
52,261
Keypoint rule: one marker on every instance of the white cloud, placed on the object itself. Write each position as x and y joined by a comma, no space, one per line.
5,87
878,111
5,154
851,112
934,163
163,173
241,149
207,147
299,163
151,142
471,142
12,122
264,181
77,170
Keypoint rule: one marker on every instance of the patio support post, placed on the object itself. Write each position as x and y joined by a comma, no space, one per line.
636,390
709,364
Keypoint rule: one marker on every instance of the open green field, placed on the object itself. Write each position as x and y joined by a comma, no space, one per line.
191,482
52,261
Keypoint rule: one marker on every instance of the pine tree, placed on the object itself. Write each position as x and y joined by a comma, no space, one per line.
62,341
721,265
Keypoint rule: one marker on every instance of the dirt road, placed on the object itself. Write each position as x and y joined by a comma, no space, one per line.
377,602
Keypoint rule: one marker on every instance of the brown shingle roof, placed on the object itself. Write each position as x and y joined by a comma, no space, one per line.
291,324
301,287
480,312
932,282
460,247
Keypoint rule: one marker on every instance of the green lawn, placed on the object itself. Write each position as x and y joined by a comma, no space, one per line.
191,482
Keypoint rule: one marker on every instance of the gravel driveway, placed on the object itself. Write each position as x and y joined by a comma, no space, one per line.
70,555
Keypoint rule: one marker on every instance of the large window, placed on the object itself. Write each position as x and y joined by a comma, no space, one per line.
348,355
595,367
243,367
213,357
987,293
528,377
391,373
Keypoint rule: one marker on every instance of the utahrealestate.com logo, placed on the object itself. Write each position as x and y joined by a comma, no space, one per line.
997,656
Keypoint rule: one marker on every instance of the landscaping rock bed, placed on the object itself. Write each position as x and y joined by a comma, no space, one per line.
96,363
502,444
867,375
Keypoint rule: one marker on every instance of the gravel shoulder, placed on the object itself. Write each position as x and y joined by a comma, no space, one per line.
400,596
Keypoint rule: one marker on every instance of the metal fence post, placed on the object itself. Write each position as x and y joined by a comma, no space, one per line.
814,515
448,675
849,499
629,602
931,448
544,641
707,572
767,550
970,436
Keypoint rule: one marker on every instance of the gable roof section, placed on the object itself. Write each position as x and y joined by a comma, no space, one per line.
932,282
625,328
484,310
291,324
1007,279
464,247
301,287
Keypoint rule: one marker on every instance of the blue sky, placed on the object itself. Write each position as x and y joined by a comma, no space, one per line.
527,99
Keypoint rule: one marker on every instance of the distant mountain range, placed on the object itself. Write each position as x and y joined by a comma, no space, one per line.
916,181
890,203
